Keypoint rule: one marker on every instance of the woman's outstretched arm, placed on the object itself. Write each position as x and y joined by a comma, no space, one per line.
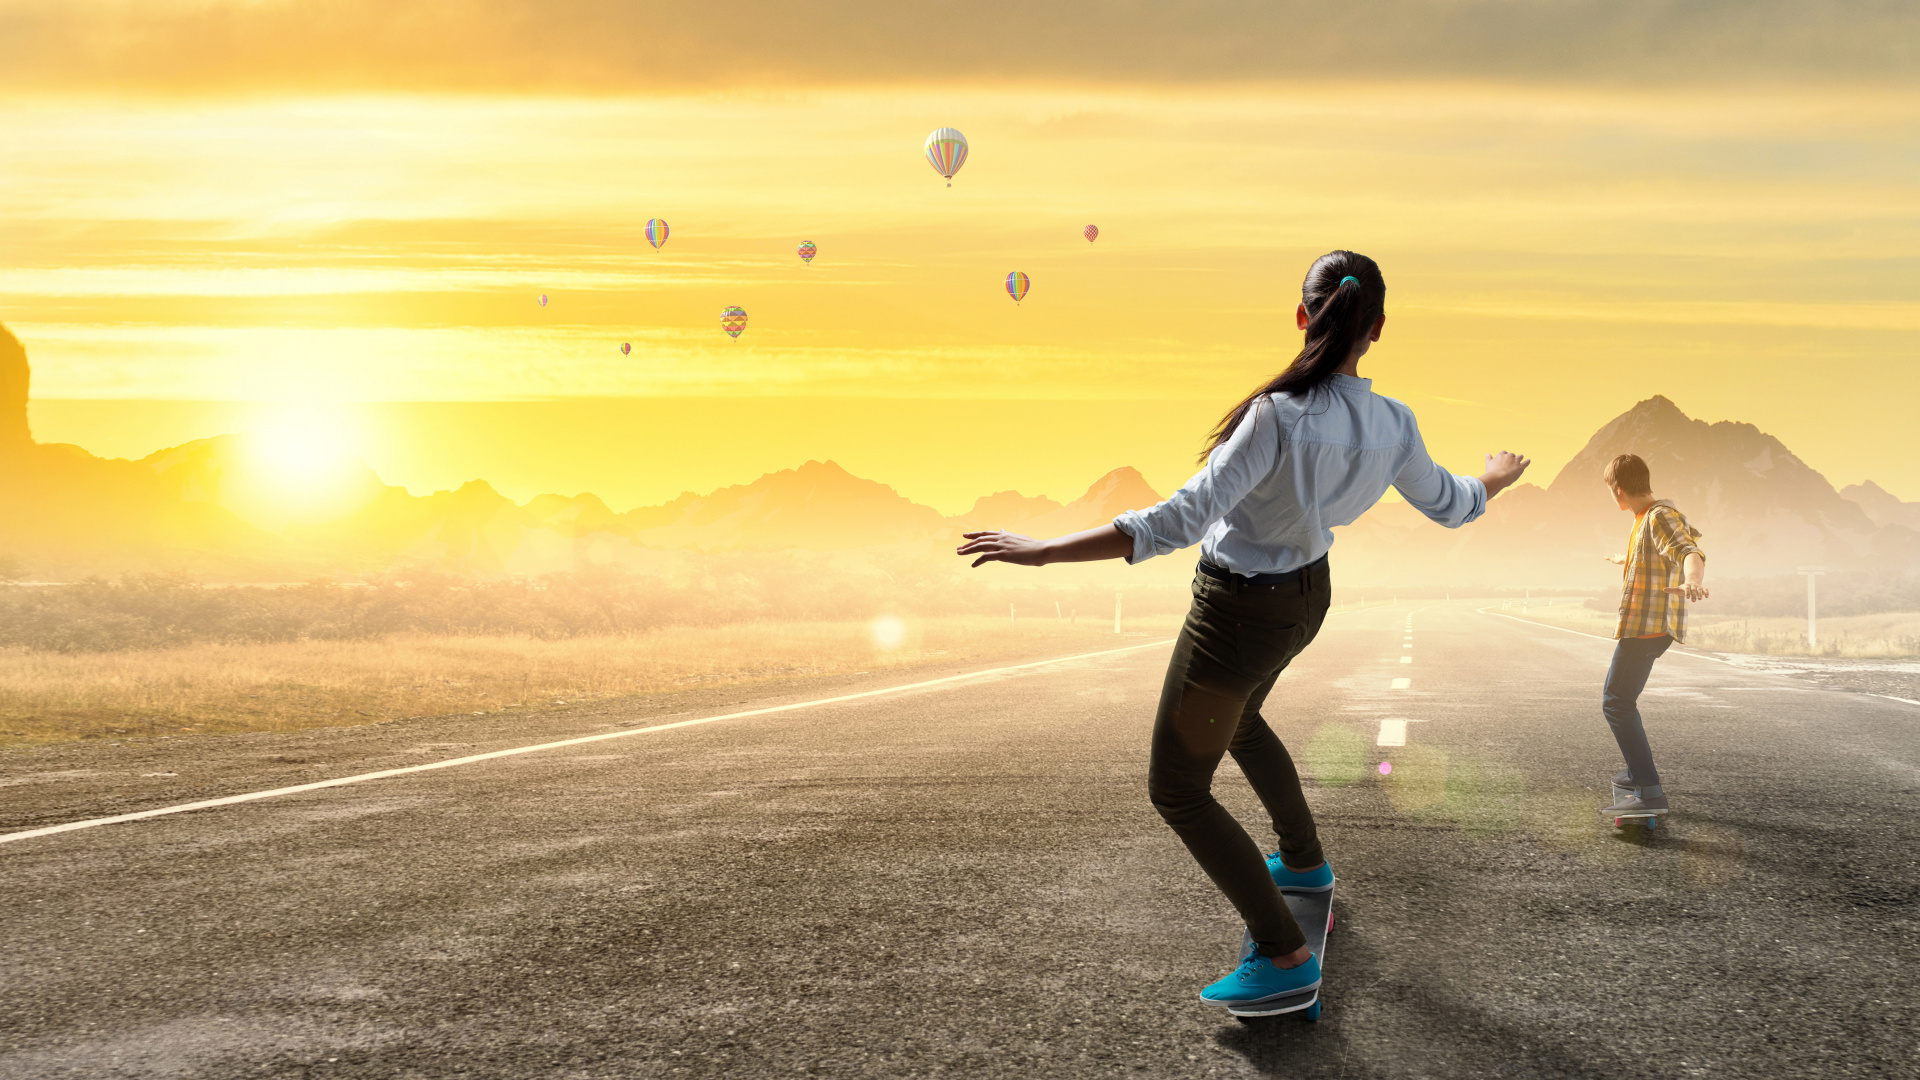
1104,542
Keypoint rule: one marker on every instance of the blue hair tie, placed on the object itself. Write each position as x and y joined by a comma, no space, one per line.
1348,278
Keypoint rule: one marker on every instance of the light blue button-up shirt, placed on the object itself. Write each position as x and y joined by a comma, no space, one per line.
1269,497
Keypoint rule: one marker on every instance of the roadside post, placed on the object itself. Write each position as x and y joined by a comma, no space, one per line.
1811,572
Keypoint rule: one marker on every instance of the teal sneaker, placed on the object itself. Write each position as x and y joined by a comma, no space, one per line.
1319,879
1256,979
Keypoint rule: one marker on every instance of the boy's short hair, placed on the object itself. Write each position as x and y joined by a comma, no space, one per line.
1628,473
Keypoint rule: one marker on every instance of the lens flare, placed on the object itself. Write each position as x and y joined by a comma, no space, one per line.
889,632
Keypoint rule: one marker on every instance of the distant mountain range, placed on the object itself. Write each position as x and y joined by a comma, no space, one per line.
1761,510
203,508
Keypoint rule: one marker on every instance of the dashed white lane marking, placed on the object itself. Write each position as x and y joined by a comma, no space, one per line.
1401,684
1406,659
1903,701
1394,732
88,823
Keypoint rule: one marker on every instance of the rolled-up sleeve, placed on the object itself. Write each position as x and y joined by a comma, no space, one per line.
1232,470
1674,537
1445,498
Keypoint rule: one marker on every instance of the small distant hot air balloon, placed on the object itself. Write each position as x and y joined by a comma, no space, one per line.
733,319
807,251
543,299
946,152
626,347
1090,232
656,232
1017,285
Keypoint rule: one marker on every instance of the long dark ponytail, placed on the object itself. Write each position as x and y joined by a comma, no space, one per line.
1344,294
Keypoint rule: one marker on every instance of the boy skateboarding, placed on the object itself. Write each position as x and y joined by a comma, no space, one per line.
1664,568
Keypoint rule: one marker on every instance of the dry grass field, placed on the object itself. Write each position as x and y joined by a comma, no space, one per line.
1881,636
279,686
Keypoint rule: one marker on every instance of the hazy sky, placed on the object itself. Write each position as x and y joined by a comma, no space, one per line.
1576,206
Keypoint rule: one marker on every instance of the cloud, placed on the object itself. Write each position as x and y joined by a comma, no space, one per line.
606,46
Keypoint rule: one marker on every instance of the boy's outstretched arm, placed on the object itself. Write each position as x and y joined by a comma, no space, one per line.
1694,586
1104,542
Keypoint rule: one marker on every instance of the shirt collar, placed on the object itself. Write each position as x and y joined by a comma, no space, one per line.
1344,381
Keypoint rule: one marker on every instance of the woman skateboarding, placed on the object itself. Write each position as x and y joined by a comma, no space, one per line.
1310,450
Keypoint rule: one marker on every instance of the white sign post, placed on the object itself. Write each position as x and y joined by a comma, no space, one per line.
1811,572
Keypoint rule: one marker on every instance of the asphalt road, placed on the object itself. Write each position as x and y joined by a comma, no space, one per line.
968,881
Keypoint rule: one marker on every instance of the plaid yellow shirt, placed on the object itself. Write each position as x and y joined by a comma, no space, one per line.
1657,550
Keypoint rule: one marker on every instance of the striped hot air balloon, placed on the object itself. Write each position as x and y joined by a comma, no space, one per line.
807,251
1090,232
543,299
1017,285
626,347
733,319
946,152
656,232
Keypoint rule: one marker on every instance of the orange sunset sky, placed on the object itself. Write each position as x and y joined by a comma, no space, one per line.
335,218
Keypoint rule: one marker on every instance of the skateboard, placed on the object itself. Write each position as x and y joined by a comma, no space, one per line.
1314,913
1651,819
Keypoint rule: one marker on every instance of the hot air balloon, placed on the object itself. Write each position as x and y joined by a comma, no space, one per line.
625,348
543,299
656,232
807,251
733,319
946,152
1017,285
1090,232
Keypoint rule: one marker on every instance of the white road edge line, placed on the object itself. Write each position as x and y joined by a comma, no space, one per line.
1597,637
1695,655
88,823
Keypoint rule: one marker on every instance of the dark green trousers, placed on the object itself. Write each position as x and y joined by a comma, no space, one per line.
1236,641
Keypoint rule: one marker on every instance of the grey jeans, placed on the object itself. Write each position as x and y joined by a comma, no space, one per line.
1236,641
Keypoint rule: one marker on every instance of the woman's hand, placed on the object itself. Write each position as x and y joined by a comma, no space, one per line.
997,546
1503,469
1091,545
1617,560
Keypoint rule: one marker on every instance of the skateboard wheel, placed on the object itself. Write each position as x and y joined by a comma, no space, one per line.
1311,1012
1616,823
1652,821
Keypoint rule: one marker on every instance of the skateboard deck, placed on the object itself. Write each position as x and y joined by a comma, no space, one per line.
1314,913
1651,819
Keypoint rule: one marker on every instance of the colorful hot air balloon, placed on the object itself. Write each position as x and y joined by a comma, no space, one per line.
656,232
807,252
543,299
946,152
1090,232
625,348
733,319
1017,285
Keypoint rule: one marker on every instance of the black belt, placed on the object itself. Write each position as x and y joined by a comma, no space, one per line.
1283,578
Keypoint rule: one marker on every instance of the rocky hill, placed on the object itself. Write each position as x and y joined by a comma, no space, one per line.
1882,507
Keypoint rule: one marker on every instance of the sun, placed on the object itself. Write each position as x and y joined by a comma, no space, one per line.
301,446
